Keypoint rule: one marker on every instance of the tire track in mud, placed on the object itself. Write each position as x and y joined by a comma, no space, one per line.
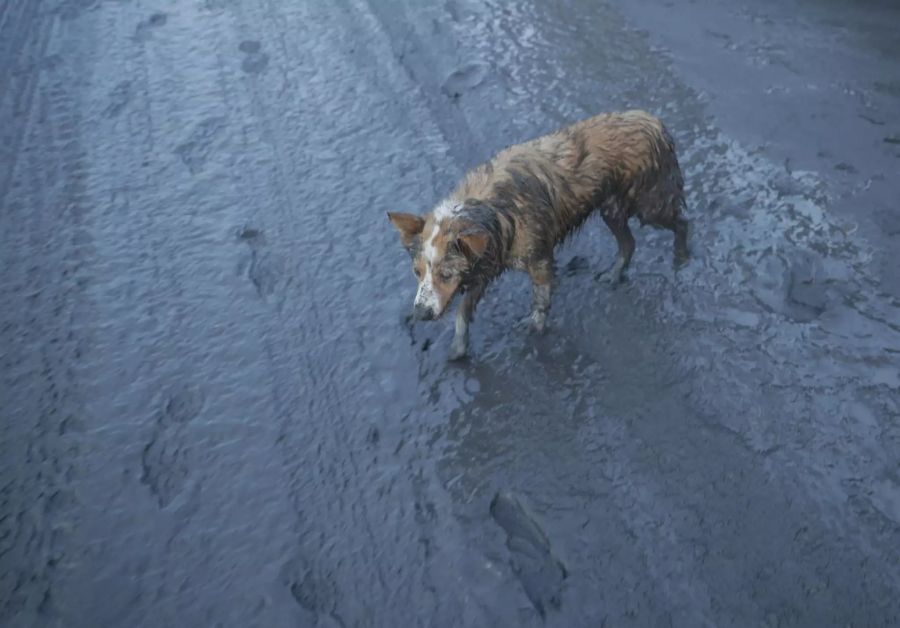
165,459
307,580
149,262
193,382
434,70
44,295
320,565
24,34
309,575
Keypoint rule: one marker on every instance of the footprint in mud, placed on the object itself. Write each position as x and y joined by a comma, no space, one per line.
182,406
795,286
164,467
464,79
251,235
314,592
531,558
255,61
118,99
145,29
164,459
265,270
195,151
807,292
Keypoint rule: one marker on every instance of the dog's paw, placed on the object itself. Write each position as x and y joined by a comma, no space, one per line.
538,322
615,274
533,323
523,324
611,277
457,352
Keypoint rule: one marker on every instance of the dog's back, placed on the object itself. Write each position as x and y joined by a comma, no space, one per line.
621,163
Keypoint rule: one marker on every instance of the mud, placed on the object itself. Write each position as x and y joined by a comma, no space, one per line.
213,414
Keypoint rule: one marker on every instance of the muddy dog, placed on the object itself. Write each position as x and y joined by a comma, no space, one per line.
513,211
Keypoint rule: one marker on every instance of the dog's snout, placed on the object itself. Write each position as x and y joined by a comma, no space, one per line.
423,312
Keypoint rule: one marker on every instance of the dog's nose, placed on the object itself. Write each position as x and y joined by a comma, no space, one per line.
422,312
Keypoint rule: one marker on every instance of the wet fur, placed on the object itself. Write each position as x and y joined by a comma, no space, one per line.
530,197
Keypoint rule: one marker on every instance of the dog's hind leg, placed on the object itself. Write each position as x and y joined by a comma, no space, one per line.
617,221
678,225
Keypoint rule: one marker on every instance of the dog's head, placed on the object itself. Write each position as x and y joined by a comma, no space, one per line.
444,248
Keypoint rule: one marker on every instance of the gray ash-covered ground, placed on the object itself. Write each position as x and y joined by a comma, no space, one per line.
212,415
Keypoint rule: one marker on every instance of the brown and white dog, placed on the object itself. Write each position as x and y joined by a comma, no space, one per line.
512,211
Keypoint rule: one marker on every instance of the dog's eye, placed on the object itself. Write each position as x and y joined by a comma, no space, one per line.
417,272
445,275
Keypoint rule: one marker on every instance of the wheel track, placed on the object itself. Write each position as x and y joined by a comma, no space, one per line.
46,304
327,400
24,35
324,397
262,263
197,421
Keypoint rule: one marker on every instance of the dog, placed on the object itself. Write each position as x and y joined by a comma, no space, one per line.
513,211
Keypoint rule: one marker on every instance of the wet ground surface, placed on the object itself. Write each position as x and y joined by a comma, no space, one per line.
213,416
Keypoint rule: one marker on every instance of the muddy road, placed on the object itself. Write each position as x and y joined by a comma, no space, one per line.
212,414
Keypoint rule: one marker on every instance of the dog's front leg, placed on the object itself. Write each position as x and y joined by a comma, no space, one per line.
541,289
464,315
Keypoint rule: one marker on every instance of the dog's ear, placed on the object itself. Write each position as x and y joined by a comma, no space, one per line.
409,226
474,241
